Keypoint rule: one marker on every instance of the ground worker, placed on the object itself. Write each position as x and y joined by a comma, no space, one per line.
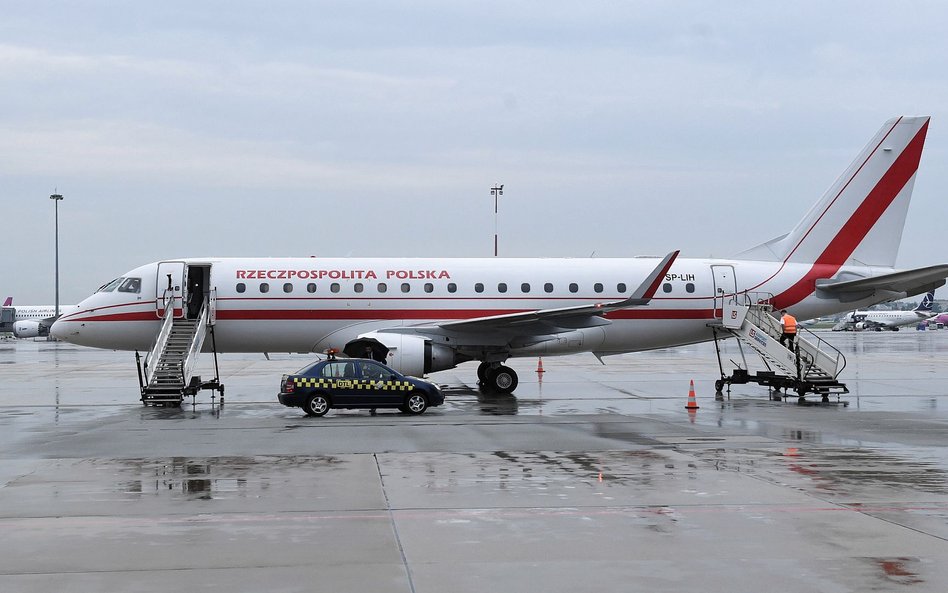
788,324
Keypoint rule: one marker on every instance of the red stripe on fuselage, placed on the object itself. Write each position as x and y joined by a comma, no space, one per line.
394,314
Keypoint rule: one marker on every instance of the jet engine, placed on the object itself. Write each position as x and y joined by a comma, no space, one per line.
29,329
409,355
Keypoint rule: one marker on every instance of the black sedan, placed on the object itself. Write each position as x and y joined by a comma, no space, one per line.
356,383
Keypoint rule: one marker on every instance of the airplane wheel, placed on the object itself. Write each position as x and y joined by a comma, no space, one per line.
317,405
718,385
482,373
416,404
502,379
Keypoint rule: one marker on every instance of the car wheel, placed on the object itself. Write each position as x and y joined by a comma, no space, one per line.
503,379
317,405
416,403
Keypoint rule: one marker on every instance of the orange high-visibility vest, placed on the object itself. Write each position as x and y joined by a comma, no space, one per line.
789,324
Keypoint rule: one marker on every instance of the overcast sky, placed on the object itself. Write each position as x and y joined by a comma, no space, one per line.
178,129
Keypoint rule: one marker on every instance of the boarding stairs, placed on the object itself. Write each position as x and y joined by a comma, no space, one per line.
812,366
167,375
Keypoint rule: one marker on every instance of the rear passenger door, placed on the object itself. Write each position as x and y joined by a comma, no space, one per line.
341,378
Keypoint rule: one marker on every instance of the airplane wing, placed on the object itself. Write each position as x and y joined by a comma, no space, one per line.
567,318
895,285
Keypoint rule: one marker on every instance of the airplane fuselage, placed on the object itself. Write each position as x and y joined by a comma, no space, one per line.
311,304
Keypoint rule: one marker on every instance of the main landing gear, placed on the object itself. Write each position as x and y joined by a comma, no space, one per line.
496,377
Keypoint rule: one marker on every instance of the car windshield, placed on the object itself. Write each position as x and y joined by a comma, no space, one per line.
308,369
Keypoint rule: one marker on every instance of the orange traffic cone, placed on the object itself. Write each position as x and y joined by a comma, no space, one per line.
540,365
692,404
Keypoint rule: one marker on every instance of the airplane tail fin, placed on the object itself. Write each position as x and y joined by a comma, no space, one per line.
860,218
926,305
8,302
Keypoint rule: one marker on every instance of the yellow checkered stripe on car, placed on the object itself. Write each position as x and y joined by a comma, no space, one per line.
352,384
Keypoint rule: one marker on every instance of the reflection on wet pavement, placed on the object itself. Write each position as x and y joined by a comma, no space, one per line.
854,474
210,478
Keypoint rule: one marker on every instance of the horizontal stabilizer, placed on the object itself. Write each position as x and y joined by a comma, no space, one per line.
897,284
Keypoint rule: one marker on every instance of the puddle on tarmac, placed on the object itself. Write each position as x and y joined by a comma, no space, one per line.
855,473
211,478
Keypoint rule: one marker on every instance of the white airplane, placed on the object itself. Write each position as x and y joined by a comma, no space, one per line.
431,314
891,320
30,321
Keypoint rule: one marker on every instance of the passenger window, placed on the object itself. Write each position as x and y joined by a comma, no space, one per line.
620,287
502,287
357,287
241,287
375,372
548,287
689,287
597,286
667,287
479,287
573,287
406,287
525,287
288,287
264,287
452,287
337,370
383,287
429,287
334,287
131,285
311,288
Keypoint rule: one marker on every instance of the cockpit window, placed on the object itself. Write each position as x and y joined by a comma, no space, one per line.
111,285
131,285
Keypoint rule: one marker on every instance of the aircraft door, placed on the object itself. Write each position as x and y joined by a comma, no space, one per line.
725,287
197,290
170,280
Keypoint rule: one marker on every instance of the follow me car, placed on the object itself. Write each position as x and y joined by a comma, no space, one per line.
356,383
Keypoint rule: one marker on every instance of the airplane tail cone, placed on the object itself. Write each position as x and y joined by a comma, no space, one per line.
540,365
692,403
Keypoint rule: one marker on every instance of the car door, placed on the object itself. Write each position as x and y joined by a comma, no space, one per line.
383,389
341,375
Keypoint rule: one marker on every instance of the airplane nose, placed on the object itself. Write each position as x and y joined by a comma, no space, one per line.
58,330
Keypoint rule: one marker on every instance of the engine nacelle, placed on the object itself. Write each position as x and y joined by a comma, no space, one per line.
29,329
860,325
409,355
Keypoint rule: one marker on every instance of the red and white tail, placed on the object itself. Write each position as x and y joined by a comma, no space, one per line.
859,219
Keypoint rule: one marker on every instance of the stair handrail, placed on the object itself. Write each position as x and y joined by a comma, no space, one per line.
197,342
825,350
162,340
820,353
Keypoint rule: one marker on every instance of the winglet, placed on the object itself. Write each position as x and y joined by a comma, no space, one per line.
644,293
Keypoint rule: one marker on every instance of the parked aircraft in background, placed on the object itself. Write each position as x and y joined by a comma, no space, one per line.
426,315
941,318
890,320
30,321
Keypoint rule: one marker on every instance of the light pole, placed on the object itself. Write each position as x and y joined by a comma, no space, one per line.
496,191
57,198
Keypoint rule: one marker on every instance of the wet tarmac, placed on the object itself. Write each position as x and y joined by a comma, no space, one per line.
589,478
